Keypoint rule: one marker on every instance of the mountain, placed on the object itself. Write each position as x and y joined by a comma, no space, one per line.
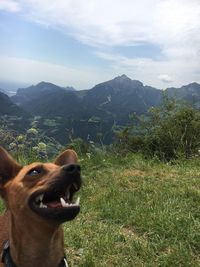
66,113
189,93
87,113
69,88
116,98
121,96
34,92
7,107
47,99
12,116
2,91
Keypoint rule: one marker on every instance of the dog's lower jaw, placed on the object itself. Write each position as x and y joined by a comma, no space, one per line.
42,246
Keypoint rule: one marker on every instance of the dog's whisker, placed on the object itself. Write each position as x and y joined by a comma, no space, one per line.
41,197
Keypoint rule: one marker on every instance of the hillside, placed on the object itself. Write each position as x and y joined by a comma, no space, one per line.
122,96
189,93
35,92
7,107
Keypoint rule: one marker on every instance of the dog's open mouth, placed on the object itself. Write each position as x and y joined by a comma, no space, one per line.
56,203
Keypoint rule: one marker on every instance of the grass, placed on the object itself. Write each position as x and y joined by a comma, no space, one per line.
136,212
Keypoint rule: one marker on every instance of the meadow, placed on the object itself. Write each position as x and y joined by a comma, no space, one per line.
136,212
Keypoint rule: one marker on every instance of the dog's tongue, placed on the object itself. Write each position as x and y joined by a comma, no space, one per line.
54,204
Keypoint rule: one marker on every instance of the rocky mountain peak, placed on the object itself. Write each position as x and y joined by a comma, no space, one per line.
122,77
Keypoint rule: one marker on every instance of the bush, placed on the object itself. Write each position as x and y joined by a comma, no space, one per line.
167,132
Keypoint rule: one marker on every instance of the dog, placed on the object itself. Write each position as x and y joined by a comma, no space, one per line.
38,199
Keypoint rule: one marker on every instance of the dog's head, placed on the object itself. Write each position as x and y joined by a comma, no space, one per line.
42,189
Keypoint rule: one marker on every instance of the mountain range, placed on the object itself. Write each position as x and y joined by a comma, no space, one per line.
63,112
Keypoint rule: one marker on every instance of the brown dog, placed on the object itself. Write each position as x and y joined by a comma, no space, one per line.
38,198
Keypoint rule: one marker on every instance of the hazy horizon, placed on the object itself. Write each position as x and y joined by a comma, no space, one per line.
12,87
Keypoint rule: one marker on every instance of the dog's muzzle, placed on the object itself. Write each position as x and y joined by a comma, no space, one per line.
55,202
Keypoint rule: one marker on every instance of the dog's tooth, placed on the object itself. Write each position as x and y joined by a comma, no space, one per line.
66,265
41,197
42,205
77,201
37,199
68,192
62,201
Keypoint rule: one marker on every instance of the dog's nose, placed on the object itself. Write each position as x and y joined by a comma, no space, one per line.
72,168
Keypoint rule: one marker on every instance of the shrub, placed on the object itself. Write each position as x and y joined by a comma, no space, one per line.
168,131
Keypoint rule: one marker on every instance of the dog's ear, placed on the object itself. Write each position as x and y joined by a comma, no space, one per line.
8,167
69,156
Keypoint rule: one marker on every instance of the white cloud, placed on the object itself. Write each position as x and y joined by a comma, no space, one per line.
116,22
9,5
171,25
165,78
155,72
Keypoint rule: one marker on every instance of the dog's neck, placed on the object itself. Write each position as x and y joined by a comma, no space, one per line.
30,246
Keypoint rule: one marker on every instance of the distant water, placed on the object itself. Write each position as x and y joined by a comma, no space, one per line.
10,88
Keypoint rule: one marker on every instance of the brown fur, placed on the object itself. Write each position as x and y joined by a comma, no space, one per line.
34,241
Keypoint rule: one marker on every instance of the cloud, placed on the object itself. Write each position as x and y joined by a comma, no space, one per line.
9,5
165,78
116,22
155,72
171,25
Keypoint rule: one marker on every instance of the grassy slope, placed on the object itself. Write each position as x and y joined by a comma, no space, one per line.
136,213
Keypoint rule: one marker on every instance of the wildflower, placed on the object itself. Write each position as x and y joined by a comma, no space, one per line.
32,131
21,146
42,146
21,138
12,146
88,155
42,150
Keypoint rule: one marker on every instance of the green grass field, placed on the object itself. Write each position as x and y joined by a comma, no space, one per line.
136,212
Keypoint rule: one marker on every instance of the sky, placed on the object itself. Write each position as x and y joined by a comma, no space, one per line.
81,43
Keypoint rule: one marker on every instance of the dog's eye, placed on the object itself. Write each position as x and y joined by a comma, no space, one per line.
34,172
